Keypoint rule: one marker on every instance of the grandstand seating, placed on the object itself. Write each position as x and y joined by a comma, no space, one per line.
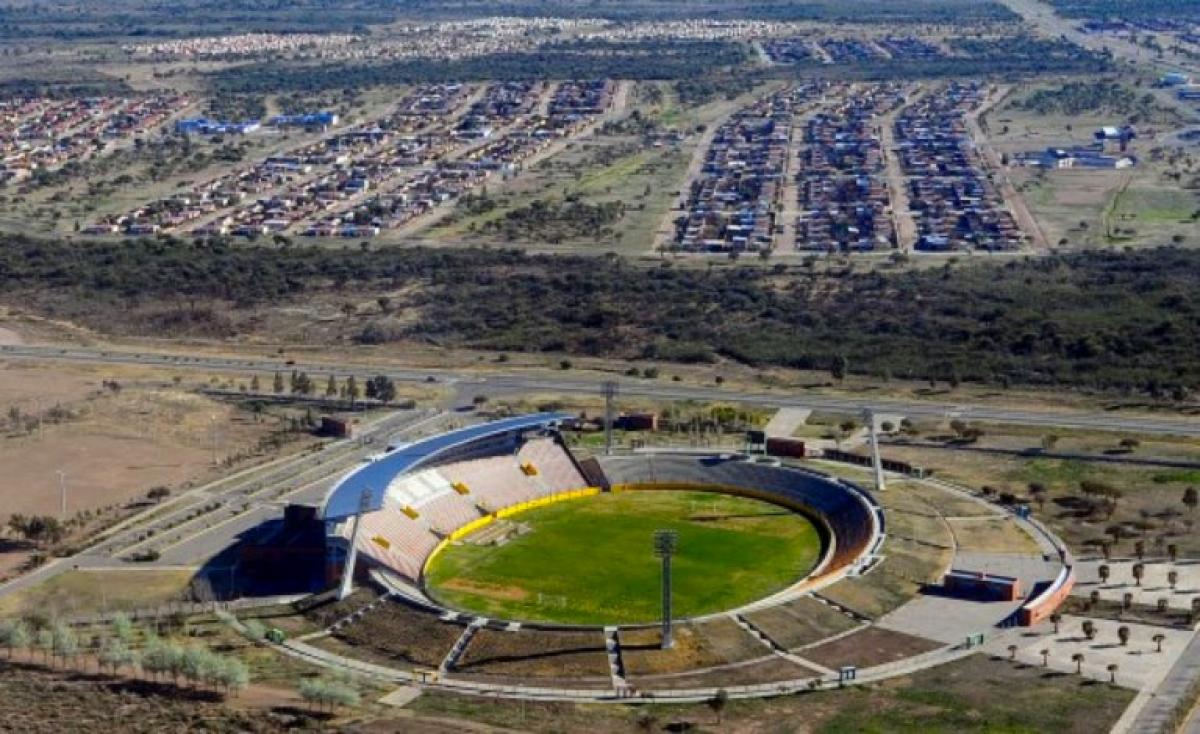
557,472
421,508
495,482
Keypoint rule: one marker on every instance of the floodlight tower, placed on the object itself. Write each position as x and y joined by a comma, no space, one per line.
665,542
347,585
610,392
876,460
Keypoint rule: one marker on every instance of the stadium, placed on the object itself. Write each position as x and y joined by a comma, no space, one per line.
504,563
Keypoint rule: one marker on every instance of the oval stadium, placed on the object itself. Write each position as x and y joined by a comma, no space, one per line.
496,559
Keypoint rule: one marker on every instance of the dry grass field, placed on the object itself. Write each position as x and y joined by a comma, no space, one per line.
77,593
112,445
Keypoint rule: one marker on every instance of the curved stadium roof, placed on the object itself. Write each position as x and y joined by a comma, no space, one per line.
343,499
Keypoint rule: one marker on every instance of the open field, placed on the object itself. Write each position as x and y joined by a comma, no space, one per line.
114,433
1149,510
76,593
1144,205
590,561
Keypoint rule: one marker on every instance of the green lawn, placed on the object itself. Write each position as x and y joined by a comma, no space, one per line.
591,562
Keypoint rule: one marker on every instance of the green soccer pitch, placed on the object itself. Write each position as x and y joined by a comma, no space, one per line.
590,561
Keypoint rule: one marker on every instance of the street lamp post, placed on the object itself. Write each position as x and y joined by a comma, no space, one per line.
62,493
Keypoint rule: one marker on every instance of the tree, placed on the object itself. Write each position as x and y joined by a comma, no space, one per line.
13,635
1089,629
1172,578
1127,600
331,388
159,493
352,391
718,702
1173,552
1123,633
1012,652
1159,639
44,642
277,385
1045,657
1112,672
115,654
1104,572
1056,620
1077,658
381,388
255,386
839,368
1191,498
1139,570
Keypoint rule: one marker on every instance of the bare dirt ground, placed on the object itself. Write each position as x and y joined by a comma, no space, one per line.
111,445
9,337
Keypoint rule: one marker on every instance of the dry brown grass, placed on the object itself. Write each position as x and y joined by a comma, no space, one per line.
536,654
800,622
870,646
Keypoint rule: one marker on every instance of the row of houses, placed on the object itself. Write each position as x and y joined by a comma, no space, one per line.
840,183
423,190
954,204
252,200
417,133
732,205
38,133
799,49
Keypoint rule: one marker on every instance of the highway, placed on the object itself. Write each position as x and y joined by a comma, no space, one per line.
567,382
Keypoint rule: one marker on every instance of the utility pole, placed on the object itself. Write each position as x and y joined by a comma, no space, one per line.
665,542
610,392
212,434
62,493
876,460
347,585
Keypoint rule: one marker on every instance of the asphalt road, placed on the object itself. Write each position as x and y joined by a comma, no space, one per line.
501,383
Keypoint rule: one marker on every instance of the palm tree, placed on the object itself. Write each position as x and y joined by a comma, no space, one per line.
1126,600
1139,570
1045,658
1077,658
1173,552
1094,597
1056,620
1112,672
1104,572
1172,578
1123,635
1012,652
1089,629
1158,641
